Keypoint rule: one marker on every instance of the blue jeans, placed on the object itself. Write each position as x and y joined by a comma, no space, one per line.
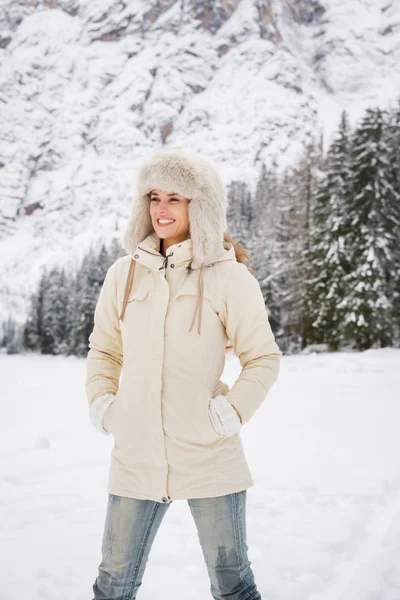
131,526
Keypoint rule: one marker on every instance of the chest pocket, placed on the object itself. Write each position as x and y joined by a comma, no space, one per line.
135,290
141,291
190,288
184,302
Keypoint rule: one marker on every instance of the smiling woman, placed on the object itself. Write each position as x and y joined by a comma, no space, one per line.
175,423
169,217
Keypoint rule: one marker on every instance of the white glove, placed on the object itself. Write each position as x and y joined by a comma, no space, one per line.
97,412
223,416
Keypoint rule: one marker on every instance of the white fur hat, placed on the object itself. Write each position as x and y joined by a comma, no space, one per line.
189,175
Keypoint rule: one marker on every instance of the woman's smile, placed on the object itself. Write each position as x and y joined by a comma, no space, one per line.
165,222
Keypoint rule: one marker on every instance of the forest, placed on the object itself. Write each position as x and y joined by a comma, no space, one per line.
323,239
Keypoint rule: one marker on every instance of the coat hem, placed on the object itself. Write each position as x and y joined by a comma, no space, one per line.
215,493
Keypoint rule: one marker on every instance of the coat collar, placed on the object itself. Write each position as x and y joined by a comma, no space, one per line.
148,253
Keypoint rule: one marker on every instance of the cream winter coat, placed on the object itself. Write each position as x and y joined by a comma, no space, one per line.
161,375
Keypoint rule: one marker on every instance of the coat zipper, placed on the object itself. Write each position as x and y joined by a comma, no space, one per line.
164,266
148,252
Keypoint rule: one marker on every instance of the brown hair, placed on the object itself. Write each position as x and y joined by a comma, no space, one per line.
241,253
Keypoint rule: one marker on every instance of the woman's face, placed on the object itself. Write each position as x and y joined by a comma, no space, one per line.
173,209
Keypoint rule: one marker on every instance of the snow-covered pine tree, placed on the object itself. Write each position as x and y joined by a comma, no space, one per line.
89,280
250,222
264,214
115,250
239,214
294,199
367,309
327,261
33,330
61,313
84,291
11,336
60,308
393,140
54,313
71,312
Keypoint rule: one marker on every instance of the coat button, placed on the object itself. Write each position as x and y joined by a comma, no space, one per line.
136,256
164,499
172,265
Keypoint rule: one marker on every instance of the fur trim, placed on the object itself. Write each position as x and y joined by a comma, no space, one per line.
191,176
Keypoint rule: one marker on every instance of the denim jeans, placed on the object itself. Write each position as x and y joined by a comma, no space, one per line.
131,526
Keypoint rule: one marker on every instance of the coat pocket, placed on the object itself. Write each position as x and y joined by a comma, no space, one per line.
141,291
191,291
210,433
182,307
136,308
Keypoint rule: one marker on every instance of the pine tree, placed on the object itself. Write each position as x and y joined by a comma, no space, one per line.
366,311
84,305
61,315
115,251
393,140
327,255
54,313
264,214
71,313
11,336
90,278
33,331
294,198
239,214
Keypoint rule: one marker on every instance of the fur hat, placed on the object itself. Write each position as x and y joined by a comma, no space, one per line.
191,176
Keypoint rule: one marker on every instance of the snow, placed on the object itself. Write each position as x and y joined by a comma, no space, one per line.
323,518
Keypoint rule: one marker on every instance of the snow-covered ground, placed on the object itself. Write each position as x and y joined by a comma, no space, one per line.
323,515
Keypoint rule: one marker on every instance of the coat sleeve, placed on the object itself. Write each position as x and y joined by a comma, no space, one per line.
247,326
104,359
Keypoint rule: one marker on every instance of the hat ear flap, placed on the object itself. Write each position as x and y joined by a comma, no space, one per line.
207,220
139,224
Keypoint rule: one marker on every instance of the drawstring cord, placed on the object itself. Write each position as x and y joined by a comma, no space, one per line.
128,287
165,262
199,302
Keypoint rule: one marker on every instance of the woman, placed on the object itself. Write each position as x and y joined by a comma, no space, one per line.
175,424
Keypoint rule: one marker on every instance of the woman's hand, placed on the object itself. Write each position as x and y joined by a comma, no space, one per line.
97,411
224,417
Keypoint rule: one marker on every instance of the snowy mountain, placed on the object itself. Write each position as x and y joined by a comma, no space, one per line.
87,89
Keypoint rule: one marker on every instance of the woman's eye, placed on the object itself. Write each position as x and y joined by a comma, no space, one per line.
170,200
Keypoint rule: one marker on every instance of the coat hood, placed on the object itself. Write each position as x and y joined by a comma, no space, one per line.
193,177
